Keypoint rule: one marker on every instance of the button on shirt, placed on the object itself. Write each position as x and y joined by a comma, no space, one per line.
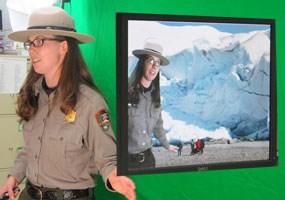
144,120
60,154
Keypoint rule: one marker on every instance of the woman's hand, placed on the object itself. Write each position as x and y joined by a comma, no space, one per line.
8,186
123,185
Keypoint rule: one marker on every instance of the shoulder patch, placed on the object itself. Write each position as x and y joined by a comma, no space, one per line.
103,120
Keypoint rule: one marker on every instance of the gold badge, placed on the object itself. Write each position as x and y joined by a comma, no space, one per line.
70,116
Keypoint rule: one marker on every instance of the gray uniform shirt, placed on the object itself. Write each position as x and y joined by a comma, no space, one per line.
61,153
144,120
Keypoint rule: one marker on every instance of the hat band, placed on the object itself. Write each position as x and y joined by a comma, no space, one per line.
53,27
153,51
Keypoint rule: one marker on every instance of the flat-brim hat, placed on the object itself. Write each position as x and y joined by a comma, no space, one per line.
152,47
50,20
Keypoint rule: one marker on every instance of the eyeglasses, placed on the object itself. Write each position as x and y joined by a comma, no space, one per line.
153,62
39,42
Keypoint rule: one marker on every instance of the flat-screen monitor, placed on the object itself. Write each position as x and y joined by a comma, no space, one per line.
1,23
214,105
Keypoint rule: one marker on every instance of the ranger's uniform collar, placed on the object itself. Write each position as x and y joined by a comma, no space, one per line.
38,86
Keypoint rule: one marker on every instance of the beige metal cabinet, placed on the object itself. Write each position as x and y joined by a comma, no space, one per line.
3,175
11,138
8,104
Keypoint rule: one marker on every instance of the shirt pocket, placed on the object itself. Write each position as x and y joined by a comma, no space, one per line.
68,143
154,117
155,112
136,117
27,131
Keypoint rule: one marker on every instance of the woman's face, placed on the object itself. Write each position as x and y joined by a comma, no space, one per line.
151,68
48,58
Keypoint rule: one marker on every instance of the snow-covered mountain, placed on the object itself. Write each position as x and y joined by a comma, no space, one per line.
216,85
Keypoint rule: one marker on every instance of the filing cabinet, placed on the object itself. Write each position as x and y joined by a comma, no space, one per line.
11,137
3,175
12,142
8,104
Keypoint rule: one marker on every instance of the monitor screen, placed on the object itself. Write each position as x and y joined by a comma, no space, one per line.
195,93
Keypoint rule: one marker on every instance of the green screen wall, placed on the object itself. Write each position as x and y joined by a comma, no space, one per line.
97,17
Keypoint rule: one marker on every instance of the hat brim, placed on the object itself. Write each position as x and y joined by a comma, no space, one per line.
164,61
23,36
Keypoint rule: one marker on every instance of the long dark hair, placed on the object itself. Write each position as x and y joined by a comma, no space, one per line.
134,86
74,72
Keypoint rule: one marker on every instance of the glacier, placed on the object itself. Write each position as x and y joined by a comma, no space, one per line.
217,85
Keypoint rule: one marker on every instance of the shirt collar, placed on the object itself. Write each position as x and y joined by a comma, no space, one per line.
38,86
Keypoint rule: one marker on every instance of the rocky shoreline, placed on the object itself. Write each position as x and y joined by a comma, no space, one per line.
214,152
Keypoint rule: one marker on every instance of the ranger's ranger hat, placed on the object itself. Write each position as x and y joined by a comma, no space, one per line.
50,20
152,47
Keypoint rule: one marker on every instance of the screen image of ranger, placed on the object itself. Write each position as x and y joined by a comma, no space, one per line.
144,106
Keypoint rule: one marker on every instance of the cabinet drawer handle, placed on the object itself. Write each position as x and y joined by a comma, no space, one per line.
19,149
